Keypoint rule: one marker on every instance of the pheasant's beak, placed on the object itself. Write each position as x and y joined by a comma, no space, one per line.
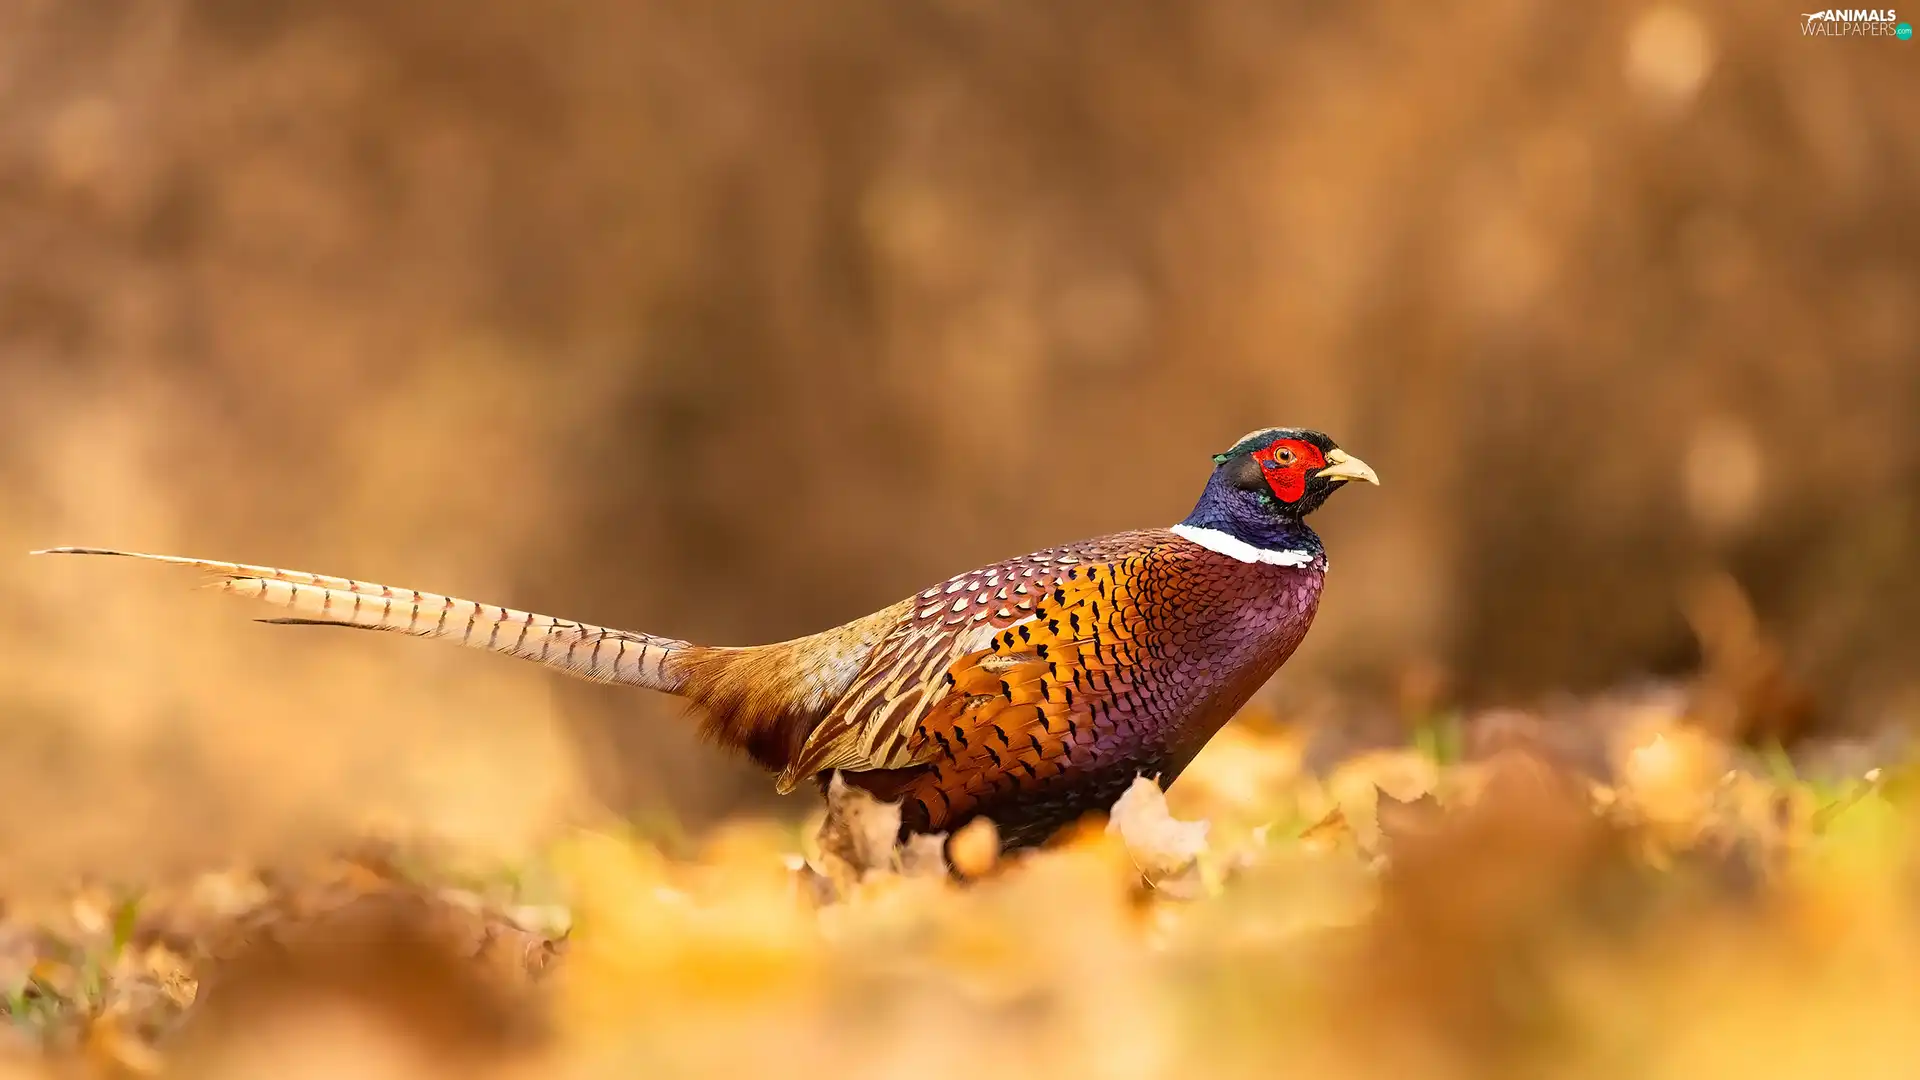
1344,466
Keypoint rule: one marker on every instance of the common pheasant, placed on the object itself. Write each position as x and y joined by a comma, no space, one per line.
1032,691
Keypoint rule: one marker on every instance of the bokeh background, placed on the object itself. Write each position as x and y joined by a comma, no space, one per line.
732,321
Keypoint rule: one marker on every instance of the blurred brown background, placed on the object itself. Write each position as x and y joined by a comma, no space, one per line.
735,320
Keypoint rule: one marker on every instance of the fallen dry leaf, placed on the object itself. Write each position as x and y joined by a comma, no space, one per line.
1164,847
924,856
1330,834
975,849
858,836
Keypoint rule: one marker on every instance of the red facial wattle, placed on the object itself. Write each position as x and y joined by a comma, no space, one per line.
1286,464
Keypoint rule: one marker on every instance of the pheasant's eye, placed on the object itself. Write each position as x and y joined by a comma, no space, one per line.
1284,457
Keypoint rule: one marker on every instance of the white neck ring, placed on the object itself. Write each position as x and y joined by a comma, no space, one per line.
1235,548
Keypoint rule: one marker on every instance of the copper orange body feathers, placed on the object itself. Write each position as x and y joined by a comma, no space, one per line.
1031,691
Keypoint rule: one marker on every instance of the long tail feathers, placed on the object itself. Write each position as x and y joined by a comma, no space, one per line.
592,652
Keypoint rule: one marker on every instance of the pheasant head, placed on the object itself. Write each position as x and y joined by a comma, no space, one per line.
1256,502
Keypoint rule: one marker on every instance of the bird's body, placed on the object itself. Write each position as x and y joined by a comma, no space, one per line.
1031,691
1034,690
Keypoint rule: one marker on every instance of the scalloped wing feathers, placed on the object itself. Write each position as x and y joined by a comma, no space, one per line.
872,726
